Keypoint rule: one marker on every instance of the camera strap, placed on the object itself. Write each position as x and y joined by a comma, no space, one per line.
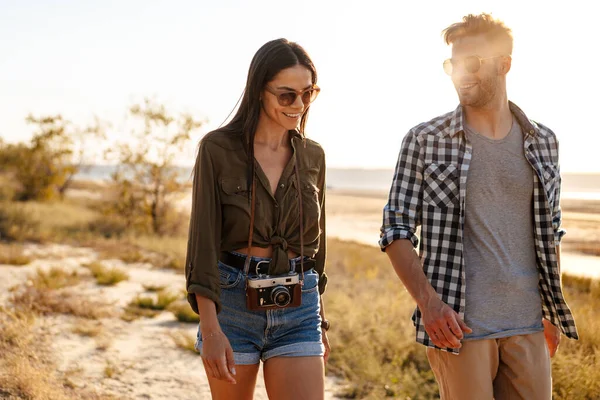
301,221
252,210
251,230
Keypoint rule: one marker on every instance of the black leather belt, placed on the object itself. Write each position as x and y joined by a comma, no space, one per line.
236,261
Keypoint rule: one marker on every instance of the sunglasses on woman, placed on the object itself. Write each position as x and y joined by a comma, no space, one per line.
471,64
287,97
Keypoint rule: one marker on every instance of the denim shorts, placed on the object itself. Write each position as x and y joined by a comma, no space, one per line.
260,335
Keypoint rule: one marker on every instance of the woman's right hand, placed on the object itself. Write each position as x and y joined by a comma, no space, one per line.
217,356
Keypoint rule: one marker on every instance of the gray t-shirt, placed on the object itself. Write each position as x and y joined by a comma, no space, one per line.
502,295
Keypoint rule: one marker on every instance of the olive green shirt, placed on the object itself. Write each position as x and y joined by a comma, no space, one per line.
220,217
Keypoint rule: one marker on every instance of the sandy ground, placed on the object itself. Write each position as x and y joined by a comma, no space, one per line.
142,355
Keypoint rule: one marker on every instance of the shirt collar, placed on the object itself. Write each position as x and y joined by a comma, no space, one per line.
529,127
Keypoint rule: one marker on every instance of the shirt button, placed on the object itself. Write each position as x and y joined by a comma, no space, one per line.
239,187
276,205
282,185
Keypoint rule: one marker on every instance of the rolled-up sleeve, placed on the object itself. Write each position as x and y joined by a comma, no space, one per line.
321,255
402,213
202,276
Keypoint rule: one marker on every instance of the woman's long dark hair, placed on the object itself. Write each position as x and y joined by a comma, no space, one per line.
268,61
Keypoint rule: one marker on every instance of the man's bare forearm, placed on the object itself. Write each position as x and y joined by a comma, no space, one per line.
407,265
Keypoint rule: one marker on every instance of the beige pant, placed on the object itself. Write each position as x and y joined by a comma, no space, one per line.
516,367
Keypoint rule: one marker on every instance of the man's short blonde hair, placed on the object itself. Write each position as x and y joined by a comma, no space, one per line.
483,24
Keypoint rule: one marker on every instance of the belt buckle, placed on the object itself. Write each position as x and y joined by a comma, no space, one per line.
258,265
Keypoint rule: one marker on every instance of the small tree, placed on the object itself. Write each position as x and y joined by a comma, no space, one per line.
44,168
81,157
146,176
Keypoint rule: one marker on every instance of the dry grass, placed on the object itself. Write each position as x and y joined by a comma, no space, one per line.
61,221
148,306
54,278
50,301
592,249
575,369
88,328
152,287
373,337
133,312
111,370
27,371
53,216
106,276
184,340
128,251
171,250
112,249
161,301
183,312
13,254
16,223
69,221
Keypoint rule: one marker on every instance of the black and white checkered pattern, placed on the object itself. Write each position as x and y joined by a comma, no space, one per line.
429,189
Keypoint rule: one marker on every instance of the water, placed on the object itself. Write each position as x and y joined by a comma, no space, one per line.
574,185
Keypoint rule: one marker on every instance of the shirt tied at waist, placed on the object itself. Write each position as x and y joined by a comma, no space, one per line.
280,264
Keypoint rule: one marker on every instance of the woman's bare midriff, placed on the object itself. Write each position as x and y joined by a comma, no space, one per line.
264,252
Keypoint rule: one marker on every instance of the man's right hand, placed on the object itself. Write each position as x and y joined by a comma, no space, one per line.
443,325
217,356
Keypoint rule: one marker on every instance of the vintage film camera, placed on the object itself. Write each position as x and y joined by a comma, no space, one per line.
265,292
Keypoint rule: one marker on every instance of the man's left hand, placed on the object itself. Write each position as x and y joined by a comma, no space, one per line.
552,335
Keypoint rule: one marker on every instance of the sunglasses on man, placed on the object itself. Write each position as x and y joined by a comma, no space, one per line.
471,64
287,97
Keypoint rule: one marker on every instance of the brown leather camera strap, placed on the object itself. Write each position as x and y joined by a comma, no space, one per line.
300,216
252,210
251,230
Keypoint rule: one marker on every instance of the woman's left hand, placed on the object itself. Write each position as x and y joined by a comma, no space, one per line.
325,341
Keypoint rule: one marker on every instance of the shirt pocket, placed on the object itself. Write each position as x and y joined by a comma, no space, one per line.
311,207
550,177
234,192
440,185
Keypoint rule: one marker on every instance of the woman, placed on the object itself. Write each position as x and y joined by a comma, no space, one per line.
256,249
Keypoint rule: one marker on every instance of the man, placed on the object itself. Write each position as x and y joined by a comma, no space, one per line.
483,183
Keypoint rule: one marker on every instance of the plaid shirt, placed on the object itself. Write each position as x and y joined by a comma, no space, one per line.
429,189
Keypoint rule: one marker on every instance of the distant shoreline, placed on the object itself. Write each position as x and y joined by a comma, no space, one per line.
576,204
374,181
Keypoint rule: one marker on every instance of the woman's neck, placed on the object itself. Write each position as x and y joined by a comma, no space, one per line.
273,137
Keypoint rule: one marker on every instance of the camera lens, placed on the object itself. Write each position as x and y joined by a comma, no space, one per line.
281,296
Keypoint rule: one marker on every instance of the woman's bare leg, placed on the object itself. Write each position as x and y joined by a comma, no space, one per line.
295,378
244,388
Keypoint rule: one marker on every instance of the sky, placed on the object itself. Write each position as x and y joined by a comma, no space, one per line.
379,66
